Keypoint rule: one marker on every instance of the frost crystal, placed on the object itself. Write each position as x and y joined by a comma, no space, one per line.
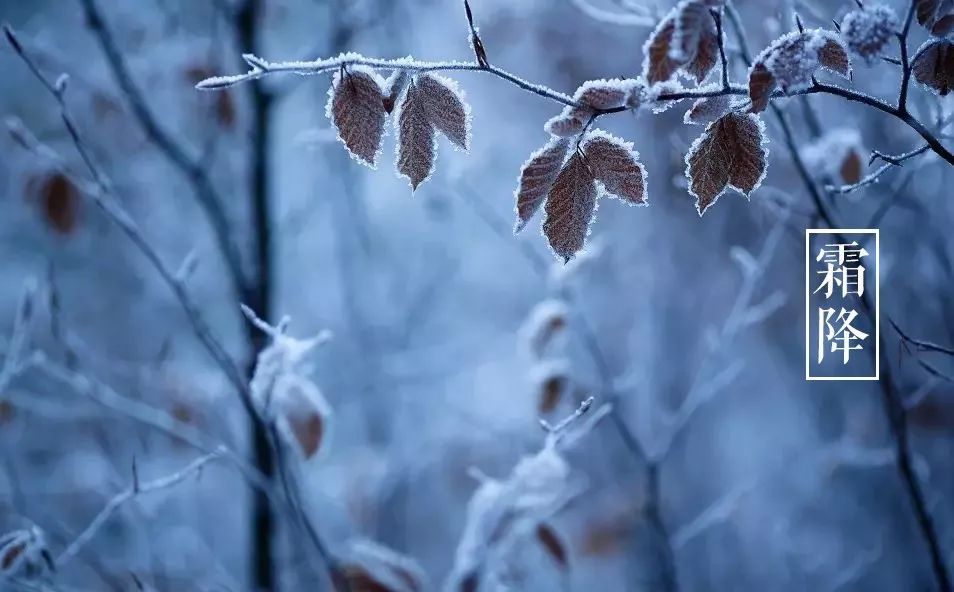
867,31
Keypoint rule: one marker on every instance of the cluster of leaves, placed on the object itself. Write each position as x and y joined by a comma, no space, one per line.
360,100
578,164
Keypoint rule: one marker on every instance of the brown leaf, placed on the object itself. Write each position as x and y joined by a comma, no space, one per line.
658,66
359,580
601,94
791,61
395,85
570,122
685,39
356,107
615,166
706,56
60,202
869,30
934,66
834,56
570,205
552,544
536,177
445,108
416,141
308,430
761,85
729,153
850,170
551,391
707,110
937,16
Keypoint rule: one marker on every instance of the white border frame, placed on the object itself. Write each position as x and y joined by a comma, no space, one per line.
809,232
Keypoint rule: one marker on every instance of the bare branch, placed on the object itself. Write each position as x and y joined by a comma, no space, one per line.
129,493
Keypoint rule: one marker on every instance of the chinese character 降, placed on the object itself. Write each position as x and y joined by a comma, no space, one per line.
841,334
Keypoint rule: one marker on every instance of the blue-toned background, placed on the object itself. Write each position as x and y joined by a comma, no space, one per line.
718,468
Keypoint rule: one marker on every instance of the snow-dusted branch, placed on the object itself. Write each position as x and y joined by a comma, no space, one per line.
136,489
890,161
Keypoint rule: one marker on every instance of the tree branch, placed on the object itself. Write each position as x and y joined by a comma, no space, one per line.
129,493
192,168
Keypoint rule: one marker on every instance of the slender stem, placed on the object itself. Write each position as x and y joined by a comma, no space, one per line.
905,63
724,61
134,490
192,168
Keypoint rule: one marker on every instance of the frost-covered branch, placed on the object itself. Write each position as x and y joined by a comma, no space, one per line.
131,492
890,161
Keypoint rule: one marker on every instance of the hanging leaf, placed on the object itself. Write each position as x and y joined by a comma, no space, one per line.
937,16
614,164
570,122
707,110
536,177
445,107
430,104
603,94
571,202
790,62
356,107
868,31
395,85
850,169
730,153
686,39
59,202
302,413
934,65
416,142
552,544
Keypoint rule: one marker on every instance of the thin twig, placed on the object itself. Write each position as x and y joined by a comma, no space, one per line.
890,161
129,493
192,168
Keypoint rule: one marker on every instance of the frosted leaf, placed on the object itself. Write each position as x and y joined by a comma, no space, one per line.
570,122
615,166
547,319
430,104
867,31
836,155
730,153
373,567
934,66
24,554
707,110
355,106
446,109
790,62
416,141
602,94
658,65
685,39
395,85
570,205
301,413
536,177
937,16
